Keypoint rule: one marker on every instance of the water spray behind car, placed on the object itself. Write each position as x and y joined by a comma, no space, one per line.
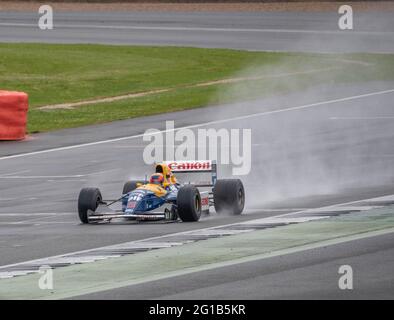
301,153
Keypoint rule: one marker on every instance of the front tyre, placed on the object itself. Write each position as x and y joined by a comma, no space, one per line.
229,196
89,199
189,203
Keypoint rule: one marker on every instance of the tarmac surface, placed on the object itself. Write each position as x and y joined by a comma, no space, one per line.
268,31
310,149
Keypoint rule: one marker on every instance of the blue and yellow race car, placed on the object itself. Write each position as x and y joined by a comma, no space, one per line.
141,199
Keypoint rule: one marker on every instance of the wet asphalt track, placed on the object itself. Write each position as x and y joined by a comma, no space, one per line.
39,191
278,31
350,141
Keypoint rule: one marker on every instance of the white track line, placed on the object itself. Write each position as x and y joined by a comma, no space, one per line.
43,177
14,173
37,224
253,115
39,220
10,176
24,214
160,28
363,118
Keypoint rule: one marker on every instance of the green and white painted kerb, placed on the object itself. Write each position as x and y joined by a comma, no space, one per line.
186,252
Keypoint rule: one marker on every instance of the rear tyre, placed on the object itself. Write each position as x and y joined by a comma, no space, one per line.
131,185
89,199
229,196
189,203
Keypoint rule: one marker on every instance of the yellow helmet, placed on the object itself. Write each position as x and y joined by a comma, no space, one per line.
164,169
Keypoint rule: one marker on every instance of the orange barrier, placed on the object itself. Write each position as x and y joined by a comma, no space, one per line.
13,115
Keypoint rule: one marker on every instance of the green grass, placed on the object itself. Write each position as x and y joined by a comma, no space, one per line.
57,73
53,74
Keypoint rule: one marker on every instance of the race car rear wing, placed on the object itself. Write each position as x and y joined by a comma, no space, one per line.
195,166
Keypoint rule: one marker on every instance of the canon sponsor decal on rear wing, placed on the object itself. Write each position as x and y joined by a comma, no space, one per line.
194,166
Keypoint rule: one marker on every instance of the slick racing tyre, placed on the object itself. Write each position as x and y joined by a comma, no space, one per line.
189,203
131,185
229,196
89,199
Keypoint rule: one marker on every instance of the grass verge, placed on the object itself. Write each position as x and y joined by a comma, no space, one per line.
55,74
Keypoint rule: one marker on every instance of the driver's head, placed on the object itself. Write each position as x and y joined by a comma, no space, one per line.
156,178
165,170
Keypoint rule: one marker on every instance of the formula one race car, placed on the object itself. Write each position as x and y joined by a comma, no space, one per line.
186,202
